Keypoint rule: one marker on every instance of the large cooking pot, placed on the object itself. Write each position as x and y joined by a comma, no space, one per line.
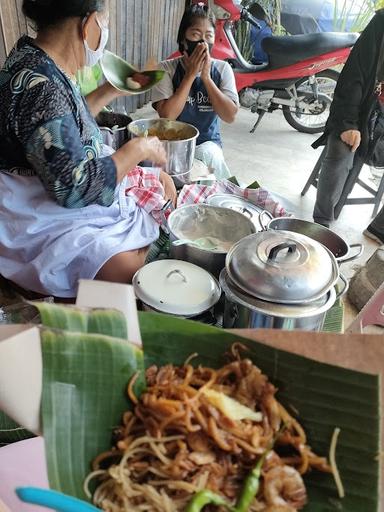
203,234
335,243
242,311
179,141
279,279
177,288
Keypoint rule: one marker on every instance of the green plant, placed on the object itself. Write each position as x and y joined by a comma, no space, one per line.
345,9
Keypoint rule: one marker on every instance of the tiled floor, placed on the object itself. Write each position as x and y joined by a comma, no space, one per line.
281,159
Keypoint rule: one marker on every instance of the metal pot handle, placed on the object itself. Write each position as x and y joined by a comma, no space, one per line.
262,214
164,214
177,272
245,212
275,250
346,286
359,252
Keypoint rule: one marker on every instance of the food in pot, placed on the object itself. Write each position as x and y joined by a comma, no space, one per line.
199,436
138,81
168,134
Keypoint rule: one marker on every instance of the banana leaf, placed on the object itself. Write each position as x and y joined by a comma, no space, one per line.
86,361
83,400
74,319
116,70
84,395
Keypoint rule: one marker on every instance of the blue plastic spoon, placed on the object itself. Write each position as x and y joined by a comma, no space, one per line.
54,500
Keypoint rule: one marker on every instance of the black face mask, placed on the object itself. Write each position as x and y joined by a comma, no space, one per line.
191,45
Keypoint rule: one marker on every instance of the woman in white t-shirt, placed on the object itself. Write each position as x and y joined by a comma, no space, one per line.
198,89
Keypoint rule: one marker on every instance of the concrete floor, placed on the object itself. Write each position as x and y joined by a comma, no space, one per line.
281,159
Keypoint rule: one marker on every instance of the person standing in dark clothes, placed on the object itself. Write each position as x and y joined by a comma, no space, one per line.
346,131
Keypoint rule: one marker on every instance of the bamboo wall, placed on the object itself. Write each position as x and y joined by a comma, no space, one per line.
139,29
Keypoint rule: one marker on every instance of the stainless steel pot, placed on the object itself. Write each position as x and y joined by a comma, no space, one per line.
333,242
242,311
196,223
180,152
177,288
282,266
114,128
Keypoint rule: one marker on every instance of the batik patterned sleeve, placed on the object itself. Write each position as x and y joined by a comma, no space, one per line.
61,140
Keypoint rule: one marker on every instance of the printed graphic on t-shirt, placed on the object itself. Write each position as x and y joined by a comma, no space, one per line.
201,101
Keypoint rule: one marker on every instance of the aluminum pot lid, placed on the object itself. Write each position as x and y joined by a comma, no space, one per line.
237,203
282,266
176,287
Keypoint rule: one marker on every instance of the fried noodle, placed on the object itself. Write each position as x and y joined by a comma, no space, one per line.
176,443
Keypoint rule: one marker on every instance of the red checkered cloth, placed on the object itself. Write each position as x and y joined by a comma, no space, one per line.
192,194
146,190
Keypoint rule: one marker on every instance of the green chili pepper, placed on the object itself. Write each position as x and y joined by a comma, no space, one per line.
248,493
206,497
250,488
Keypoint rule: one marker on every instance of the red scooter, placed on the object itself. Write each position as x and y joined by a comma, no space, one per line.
298,77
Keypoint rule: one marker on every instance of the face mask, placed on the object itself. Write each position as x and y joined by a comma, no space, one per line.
92,57
191,45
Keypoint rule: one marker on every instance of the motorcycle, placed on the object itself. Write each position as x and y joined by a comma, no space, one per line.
298,78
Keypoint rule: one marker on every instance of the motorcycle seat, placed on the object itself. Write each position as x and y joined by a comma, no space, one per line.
286,50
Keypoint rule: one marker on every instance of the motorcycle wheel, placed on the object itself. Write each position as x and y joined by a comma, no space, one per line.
313,123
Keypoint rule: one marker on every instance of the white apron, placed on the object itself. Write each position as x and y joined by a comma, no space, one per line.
46,248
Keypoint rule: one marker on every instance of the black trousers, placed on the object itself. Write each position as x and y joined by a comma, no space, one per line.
335,168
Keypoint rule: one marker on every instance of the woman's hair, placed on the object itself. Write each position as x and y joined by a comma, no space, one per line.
189,16
47,13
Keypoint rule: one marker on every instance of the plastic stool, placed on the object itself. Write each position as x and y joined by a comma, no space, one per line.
353,178
371,314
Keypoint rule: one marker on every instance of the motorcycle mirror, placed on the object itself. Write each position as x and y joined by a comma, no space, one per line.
247,16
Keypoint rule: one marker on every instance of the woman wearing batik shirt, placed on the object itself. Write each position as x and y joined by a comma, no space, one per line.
197,89
63,207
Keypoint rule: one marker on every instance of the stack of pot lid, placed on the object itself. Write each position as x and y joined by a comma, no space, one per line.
176,287
237,203
282,266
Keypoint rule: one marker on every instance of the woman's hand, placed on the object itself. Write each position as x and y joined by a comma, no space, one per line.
352,138
135,151
152,149
194,63
168,186
206,69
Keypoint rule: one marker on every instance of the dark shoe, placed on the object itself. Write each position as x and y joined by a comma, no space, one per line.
373,234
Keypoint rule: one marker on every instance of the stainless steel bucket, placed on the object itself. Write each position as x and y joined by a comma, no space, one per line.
180,152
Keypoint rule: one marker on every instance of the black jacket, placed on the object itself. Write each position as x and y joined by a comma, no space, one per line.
354,93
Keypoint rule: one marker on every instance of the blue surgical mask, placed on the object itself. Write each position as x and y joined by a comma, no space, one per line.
92,57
